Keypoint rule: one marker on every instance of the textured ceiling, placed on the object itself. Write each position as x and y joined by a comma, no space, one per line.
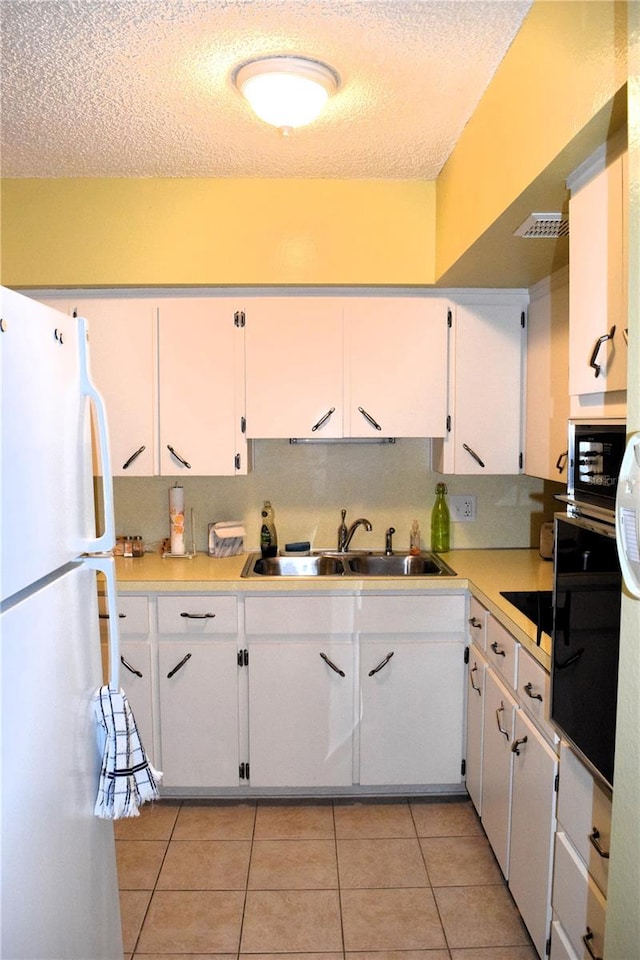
141,88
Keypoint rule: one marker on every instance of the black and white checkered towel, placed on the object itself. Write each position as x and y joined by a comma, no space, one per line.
127,779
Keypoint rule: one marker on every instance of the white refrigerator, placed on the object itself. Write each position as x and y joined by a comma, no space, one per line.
59,898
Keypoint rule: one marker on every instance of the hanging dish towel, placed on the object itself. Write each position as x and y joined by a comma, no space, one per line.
127,779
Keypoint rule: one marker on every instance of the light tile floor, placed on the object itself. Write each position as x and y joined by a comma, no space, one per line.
335,880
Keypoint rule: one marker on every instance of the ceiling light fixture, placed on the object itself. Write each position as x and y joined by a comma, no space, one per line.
286,92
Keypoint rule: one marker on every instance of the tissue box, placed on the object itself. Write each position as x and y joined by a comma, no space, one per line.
226,538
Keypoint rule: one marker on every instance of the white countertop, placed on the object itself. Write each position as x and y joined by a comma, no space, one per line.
484,572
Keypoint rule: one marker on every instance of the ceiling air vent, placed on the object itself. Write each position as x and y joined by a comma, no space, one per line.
544,226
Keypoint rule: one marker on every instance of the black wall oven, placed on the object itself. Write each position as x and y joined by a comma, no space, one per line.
586,635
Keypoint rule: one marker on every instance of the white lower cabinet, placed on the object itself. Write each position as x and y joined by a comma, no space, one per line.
301,671
579,906
533,821
497,767
198,690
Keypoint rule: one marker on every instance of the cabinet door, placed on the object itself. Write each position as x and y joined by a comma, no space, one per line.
122,357
497,766
533,820
547,407
476,669
411,711
135,678
294,367
597,298
201,386
198,689
485,405
301,713
396,367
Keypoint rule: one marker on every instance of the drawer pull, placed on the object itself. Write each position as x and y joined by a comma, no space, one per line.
498,712
477,624
322,419
586,939
594,837
496,649
332,665
178,457
198,616
473,670
382,664
178,666
517,744
528,687
134,456
105,616
129,667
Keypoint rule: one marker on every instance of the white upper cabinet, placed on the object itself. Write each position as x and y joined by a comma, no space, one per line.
547,403
486,354
598,272
396,367
354,367
294,367
201,386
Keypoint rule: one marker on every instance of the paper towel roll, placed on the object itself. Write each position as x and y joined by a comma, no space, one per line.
176,519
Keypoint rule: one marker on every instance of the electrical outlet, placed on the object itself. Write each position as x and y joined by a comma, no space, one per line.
463,507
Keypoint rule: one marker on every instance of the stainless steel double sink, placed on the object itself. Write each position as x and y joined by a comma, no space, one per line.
358,564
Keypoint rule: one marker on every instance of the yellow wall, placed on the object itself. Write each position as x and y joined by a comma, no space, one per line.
203,232
562,69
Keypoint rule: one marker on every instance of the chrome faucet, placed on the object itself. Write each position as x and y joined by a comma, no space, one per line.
345,536
388,546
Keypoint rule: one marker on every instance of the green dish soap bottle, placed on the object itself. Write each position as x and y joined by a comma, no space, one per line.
440,521
268,535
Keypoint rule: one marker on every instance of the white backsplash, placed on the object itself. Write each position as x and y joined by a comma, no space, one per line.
309,484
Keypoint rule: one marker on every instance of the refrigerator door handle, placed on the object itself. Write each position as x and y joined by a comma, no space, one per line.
107,566
88,388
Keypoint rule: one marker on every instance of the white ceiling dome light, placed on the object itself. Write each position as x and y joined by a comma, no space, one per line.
286,92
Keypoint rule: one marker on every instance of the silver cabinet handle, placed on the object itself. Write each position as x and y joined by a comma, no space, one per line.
594,837
178,457
178,666
475,623
369,418
561,462
496,649
134,456
129,667
332,665
596,350
472,453
528,687
323,419
382,664
586,939
474,669
498,712
517,744
198,616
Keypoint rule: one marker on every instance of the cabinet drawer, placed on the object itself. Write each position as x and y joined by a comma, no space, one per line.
583,806
534,688
197,615
394,615
133,615
502,651
477,623
577,903
297,616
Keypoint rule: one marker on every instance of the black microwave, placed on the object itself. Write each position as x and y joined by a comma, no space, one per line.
595,452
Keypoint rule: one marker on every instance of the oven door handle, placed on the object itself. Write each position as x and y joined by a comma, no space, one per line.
567,663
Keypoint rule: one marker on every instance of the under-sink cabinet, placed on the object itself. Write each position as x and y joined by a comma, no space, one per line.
512,764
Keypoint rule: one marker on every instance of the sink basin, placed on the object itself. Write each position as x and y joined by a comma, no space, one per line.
317,566
399,565
331,564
